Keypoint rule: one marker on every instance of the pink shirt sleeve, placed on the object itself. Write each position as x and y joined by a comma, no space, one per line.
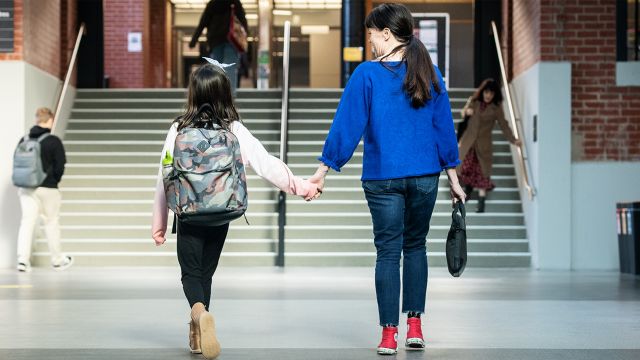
160,210
268,166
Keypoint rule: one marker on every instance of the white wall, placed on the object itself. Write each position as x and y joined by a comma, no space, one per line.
545,91
596,187
23,89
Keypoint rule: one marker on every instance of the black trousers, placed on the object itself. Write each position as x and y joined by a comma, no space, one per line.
199,249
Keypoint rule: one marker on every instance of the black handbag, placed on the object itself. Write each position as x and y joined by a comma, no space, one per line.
456,247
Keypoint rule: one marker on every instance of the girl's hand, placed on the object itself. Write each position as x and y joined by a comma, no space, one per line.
313,193
469,112
159,237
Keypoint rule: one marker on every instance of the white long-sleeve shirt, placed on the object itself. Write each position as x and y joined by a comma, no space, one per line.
253,154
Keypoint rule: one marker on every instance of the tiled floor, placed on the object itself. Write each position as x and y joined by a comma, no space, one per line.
317,313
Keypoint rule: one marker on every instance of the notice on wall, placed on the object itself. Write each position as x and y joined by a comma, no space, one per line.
433,30
429,37
6,26
134,42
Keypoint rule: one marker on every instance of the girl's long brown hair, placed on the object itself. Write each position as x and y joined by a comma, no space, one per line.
209,100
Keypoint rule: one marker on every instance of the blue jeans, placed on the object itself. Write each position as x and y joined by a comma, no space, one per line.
401,211
227,54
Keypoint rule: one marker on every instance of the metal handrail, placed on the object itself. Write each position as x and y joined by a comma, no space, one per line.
67,77
284,129
520,150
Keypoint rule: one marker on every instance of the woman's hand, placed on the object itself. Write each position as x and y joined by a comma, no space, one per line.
469,112
457,194
517,143
159,237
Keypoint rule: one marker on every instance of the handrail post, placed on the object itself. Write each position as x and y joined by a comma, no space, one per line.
284,120
67,77
516,133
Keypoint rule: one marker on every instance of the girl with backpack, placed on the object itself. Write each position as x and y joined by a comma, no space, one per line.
210,106
399,104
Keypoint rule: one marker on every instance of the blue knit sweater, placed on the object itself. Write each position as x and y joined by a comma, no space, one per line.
399,141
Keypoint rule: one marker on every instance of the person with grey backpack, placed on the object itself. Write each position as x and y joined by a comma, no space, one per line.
38,165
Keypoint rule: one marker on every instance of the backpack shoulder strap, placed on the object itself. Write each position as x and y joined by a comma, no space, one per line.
43,136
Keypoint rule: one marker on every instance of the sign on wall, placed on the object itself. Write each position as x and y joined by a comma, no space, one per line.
6,26
134,42
433,30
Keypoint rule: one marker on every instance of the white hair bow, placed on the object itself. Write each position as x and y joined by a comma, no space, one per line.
216,63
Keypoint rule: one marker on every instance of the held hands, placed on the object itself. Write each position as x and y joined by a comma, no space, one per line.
318,180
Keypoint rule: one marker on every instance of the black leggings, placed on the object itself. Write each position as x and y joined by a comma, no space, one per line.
199,249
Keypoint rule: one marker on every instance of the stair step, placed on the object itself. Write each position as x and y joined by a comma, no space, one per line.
162,258
113,141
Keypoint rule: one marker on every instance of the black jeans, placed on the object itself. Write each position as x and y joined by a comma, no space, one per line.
199,249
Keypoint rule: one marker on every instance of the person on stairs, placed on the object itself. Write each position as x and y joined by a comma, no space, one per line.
41,199
199,247
476,145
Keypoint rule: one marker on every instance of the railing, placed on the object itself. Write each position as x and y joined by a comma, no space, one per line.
67,77
520,150
284,129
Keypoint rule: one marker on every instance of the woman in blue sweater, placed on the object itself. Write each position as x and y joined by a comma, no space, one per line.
399,104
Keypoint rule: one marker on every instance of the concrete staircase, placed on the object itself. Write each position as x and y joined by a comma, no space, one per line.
113,143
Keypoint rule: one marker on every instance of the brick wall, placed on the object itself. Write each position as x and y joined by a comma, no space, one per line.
134,70
68,31
124,69
156,66
17,33
524,35
605,118
42,35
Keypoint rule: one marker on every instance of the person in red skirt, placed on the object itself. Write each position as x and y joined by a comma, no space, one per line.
476,147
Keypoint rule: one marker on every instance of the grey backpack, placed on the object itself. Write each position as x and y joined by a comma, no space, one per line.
28,171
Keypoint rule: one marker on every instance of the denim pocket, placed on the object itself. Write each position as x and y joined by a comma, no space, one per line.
376,186
427,184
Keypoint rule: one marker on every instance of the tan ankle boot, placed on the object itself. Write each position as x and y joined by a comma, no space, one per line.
208,340
194,338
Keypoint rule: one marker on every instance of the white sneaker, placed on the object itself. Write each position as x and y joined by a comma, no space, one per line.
65,264
22,267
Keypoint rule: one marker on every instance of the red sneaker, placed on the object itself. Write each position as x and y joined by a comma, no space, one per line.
389,343
415,341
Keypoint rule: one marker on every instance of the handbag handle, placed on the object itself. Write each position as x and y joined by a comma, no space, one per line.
459,207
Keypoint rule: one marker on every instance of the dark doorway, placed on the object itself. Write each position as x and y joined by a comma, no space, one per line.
90,68
486,58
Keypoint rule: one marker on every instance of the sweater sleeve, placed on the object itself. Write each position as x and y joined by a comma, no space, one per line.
204,21
445,135
160,210
349,123
268,166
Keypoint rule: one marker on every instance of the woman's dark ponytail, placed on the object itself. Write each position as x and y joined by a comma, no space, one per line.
420,71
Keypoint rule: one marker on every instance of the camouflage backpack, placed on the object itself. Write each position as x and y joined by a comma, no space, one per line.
205,182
